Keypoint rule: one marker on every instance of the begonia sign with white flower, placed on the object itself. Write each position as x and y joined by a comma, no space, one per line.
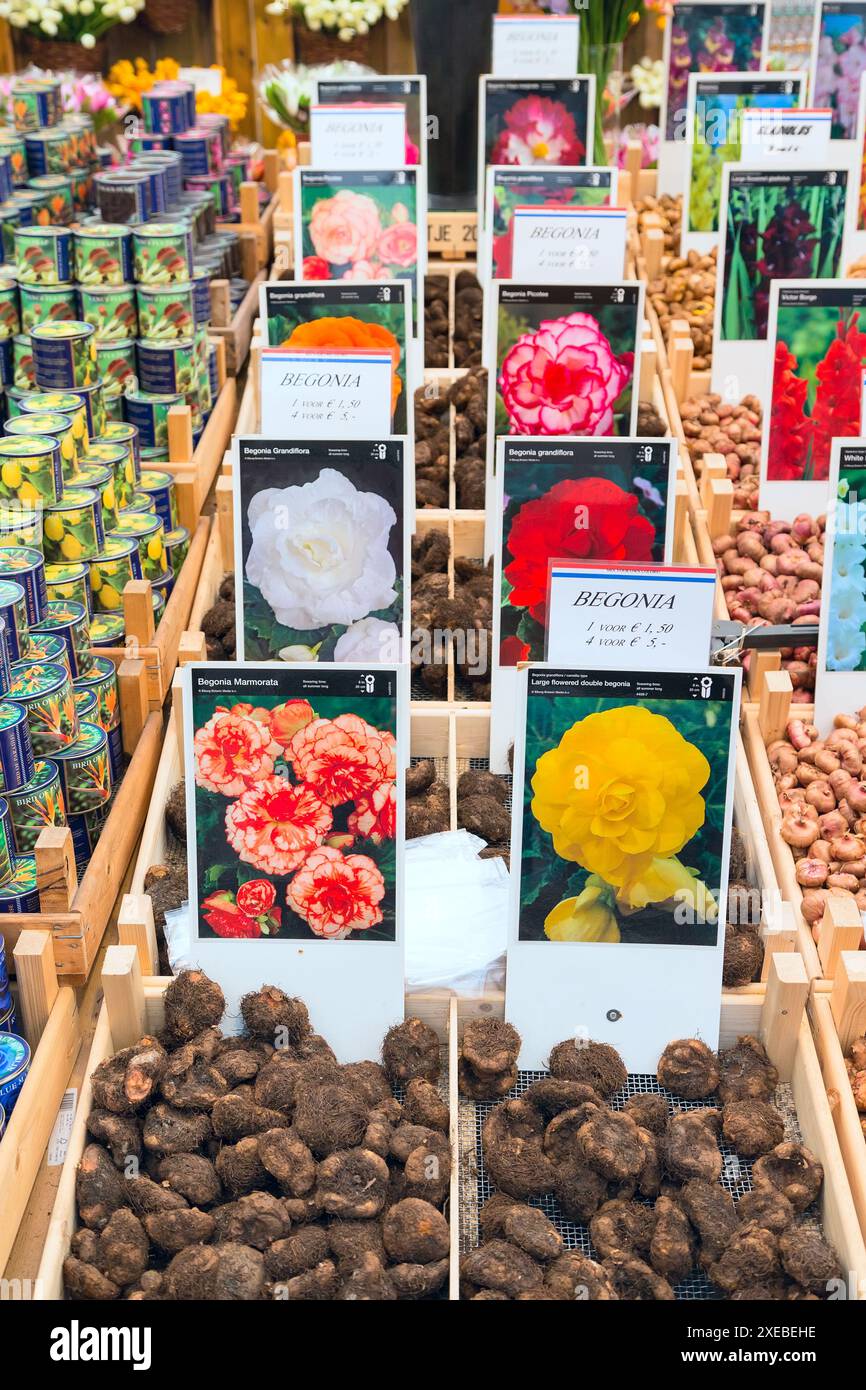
840,676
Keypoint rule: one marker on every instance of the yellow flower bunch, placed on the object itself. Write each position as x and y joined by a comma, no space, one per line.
231,102
127,80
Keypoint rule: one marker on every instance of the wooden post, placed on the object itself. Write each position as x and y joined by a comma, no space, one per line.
134,705
186,492
220,304
135,928
271,161
781,940
848,999
304,151
633,153
37,981
180,448
624,188
124,995
177,711
286,192
782,1012
249,255
720,503
681,351
759,664
225,516
653,247
840,930
56,875
249,199
219,345
681,512
648,365
138,611
255,371
775,703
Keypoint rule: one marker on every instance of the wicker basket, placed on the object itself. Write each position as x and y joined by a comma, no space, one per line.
168,16
323,45
59,55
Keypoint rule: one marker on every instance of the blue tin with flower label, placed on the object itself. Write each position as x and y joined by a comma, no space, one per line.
25,565
21,894
14,1066
35,806
17,762
6,842
13,611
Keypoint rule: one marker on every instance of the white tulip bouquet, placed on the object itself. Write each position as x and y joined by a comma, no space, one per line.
74,21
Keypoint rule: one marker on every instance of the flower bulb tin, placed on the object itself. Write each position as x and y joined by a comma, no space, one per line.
103,254
120,432
94,405
10,309
112,571
57,190
61,403
21,894
101,479
117,459
140,501
122,195
5,662
64,355
73,529
34,103
162,252
70,621
20,525
5,842
23,369
47,304
159,487
166,108
30,468
177,543
51,425
166,311
85,704
149,532
36,805
166,367
13,611
45,646
45,691
102,680
148,411
107,630
43,255
17,761
49,151
116,361
68,581
85,772
25,566
111,309
14,1066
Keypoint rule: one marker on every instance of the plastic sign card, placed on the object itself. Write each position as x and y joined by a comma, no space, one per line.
840,677
596,500
703,36
295,813
535,45
321,549
779,134
838,56
507,188
363,225
326,393
778,222
534,121
719,104
344,314
628,615
568,244
371,136
617,921
410,90
815,363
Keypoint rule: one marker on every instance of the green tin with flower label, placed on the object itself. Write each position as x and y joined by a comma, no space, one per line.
51,426
47,304
21,893
116,361
25,565
141,502
23,366
64,355
45,691
73,529
20,525
49,151
13,611
17,764
166,311
121,432
85,703
101,479
163,253
43,255
166,367
102,680
45,646
177,543
159,596
149,531
30,468
85,770
112,311
12,144
10,309
148,411
6,848
112,571
159,487
61,403
56,189
35,806
115,457
71,622
93,399
103,254
69,581
107,630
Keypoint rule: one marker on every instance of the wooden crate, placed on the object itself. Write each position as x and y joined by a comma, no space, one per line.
775,1012
841,928
77,913
133,1007
837,1013
235,330
48,1019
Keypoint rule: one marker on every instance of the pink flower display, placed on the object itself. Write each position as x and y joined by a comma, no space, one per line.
538,130
343,759
232,751
375,815
345,227
336,894
275,825
563,378
398,244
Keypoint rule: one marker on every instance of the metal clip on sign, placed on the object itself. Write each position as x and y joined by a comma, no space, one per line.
728,641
